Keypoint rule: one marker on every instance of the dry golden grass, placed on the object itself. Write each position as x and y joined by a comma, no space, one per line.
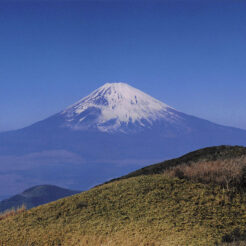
116,240
229,173
12,212
135,238
142,211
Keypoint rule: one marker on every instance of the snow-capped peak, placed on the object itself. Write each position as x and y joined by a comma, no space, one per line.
114,106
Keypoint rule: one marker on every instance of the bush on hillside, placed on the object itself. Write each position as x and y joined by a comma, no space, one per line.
229,173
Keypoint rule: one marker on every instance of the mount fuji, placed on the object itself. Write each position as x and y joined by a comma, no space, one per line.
117,107
109,133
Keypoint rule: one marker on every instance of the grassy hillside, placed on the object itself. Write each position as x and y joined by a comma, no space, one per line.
35,196
156,209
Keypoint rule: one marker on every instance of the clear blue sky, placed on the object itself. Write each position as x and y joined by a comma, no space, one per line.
189,54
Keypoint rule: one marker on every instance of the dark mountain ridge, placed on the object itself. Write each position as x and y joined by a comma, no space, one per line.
36,196
206,154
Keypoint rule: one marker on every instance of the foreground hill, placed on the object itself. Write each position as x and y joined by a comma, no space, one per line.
154,209
36,196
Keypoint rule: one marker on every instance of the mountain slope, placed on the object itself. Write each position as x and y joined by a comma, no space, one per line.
113,131
36,196
144,210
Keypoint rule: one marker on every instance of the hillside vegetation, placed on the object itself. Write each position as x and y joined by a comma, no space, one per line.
229,173
154,209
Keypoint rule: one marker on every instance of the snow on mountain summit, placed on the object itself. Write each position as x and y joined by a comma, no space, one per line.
115,106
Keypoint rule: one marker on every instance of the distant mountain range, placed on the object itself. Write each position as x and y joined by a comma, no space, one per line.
114,130
36,196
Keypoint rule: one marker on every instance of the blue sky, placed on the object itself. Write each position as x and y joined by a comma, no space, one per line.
191,54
